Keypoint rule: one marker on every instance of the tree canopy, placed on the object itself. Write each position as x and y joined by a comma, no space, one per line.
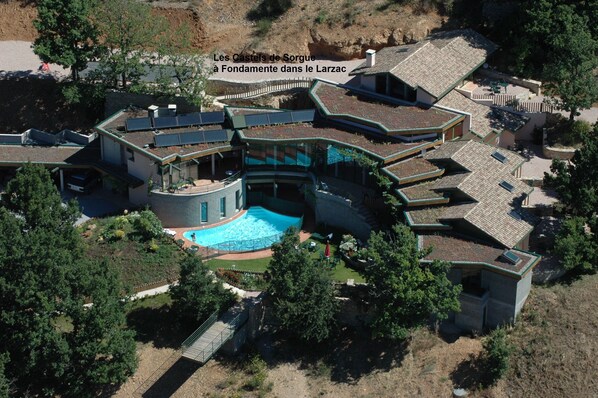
197,295
406,293
54,344
302,290
66,35
557,40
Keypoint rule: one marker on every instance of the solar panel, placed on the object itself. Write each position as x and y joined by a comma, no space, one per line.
191,137
258,119
138,124
511,257
162,140
215,136
280,118
212,117
190,119
500,157
507,186
167,122
307,115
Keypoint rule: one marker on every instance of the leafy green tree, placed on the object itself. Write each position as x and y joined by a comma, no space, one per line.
302,290
175,62
576,182
406,293
44,282
197,295
558,42
129,30
4,382
67,36
497,351
577,245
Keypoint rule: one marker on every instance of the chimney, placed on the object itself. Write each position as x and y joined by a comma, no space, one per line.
152,112
370,58
171,109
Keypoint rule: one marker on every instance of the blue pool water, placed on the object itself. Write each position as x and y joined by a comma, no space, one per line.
258,228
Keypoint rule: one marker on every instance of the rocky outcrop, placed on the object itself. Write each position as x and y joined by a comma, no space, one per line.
329,45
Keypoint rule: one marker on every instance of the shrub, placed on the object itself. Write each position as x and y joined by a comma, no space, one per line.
257,369
263,27
119,234
180,242
496,354
153,246
148,225
348,244
322,17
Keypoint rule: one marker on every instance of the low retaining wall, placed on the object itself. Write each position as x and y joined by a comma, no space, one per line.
555,153
334,210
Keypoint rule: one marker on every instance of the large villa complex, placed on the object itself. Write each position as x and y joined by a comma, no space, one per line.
403,113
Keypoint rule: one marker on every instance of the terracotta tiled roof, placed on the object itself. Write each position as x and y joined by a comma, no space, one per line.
470,253
362,107
435,64
496,212
484,119
308,132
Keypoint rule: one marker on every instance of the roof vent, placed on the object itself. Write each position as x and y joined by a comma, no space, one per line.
507,186
370,58
153,112
500,157
510,257
171,109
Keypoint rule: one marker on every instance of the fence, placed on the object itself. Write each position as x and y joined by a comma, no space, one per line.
199,331
511,101
269,87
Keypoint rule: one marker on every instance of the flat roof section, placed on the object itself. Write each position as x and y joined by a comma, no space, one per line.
411,170
386,151
370,109
458,250
15,155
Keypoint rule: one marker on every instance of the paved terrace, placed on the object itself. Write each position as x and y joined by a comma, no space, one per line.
386,151
388,116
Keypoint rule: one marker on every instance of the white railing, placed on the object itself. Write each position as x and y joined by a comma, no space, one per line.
270,87
511,101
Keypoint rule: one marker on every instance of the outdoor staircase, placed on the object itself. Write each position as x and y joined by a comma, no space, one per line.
213,333
367,215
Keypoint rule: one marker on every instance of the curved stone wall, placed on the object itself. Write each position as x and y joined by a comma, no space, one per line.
177,210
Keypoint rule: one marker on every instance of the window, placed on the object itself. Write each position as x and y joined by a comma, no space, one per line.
238,199
500,157
507,186
223,207
204,211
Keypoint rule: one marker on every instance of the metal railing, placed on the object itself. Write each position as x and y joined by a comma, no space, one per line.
246,245
186,187
270,87
199,331
205,354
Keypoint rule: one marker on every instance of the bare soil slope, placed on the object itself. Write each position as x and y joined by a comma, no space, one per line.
336,29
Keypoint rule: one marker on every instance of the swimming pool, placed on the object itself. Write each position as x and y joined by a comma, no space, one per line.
258,228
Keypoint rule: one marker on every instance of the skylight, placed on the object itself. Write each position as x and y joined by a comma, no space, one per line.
510,257
500,157
507,186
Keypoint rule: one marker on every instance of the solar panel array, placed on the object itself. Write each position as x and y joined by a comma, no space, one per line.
170,122
263,119
190,138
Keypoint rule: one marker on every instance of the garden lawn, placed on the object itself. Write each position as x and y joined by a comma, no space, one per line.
131,255
340,273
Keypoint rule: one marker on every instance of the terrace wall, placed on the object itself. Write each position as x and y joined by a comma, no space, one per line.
184,210
336,211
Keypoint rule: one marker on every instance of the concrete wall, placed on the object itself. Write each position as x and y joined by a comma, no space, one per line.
368,82
143,168
338,212
110,150
471,316
503,297
184,210
424,97
526,133
524,286
506,139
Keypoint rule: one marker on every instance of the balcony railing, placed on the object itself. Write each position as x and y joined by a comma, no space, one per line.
188,186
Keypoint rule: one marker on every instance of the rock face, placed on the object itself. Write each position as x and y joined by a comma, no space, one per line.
330,46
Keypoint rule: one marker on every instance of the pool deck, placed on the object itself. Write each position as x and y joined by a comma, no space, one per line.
306,230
